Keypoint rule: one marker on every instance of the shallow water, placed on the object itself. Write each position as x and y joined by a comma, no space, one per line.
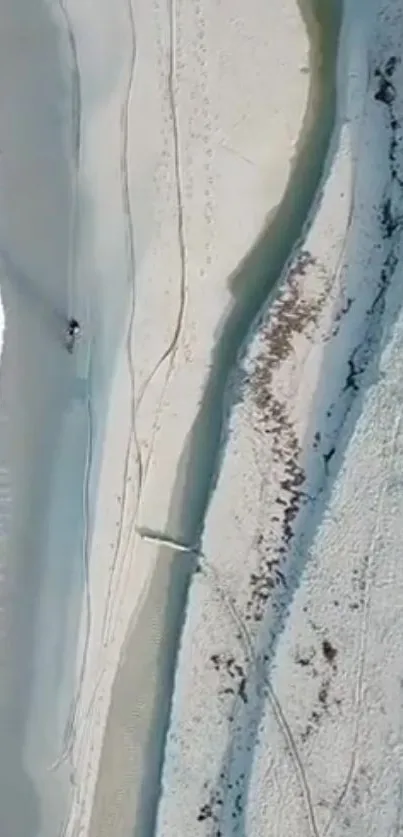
253,285
43,428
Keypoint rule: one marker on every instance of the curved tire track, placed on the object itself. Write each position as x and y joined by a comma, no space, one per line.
169,353
130,257
278,711
76,111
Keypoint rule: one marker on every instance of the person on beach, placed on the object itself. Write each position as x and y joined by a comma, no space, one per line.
72,332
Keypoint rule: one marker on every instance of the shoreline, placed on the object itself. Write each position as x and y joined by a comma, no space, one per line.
154,588
52,412
37,385
257,264
361,430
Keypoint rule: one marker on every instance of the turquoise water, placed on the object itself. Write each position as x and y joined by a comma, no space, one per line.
44,420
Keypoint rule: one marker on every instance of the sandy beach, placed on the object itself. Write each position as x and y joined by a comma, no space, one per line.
39,579
200,509
203,145
202,148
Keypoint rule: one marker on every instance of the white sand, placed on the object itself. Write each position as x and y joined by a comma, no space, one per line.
2,326
38,409
321,754
208,157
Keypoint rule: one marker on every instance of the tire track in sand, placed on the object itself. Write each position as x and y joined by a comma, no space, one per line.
130,265
168,354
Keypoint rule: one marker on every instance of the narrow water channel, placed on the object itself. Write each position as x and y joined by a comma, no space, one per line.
255,281
252,286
